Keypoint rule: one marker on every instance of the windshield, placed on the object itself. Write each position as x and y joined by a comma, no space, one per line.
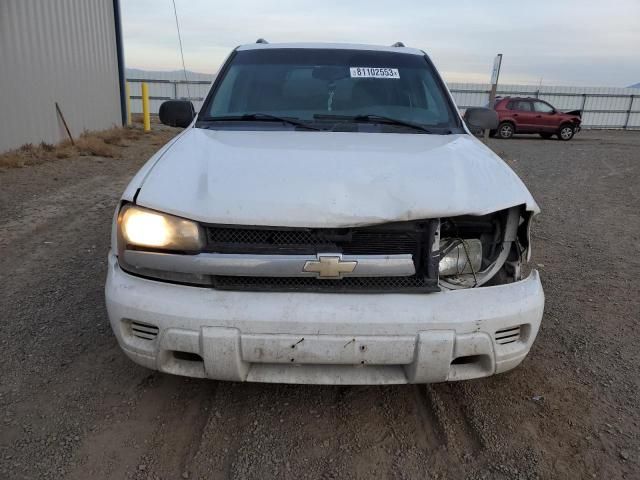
326,86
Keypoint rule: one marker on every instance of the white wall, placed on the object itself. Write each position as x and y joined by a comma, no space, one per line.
56,51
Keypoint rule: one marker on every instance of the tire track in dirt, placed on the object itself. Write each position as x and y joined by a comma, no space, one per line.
431,428
283,431
450,413
163,427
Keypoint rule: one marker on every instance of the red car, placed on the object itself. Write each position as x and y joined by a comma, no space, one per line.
530,115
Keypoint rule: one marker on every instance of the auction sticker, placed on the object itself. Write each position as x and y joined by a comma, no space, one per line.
374,72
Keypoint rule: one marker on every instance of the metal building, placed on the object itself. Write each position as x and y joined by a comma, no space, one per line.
64,51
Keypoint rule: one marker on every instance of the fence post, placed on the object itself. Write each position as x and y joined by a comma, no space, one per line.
495,74
626,120
146,119
175,90
128,94
584,101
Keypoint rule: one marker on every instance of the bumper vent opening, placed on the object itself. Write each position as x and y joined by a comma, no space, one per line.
508,335
144,330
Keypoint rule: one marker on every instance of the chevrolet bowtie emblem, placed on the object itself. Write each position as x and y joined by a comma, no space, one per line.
329,266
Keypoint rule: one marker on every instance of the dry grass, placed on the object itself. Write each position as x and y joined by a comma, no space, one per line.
105,143
118,136
137,118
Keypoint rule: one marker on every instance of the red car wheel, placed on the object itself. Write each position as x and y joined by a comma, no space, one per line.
505,130
566,132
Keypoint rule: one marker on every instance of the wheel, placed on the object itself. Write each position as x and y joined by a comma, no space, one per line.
566,133
546,136
505,130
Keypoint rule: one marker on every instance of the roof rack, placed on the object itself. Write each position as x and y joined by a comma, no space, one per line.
398,44
261,40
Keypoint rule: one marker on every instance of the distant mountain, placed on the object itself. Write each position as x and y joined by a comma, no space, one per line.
637,85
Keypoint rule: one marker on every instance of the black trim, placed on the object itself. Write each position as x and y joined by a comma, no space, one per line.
453,110
361,285
216,84
379,239
375,285
117,20
414,237
124,269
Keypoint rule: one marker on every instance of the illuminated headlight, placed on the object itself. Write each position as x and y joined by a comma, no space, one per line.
461,257
146,228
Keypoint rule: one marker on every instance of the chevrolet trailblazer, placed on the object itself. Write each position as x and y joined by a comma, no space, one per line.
326,217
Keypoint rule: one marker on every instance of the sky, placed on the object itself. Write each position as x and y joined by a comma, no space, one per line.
549,42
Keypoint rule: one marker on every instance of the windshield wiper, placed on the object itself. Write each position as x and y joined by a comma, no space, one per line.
261,117
373,119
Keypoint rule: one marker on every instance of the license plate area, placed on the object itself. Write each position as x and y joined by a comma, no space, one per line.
328,349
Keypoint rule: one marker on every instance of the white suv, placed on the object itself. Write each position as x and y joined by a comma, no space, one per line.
326,217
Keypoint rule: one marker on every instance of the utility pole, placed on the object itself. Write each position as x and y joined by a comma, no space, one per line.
495,73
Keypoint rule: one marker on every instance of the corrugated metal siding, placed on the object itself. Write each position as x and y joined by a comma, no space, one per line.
56,51
604,107
167,85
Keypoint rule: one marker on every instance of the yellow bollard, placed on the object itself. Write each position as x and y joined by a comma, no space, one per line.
146,118
126,91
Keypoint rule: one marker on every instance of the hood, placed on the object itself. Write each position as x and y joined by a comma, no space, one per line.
574,113
327,179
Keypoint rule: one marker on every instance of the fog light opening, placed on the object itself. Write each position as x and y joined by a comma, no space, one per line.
467,360
186,356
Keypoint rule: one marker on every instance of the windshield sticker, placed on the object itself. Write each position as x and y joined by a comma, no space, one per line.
374,72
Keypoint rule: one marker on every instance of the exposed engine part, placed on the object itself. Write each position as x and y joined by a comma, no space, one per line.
501,250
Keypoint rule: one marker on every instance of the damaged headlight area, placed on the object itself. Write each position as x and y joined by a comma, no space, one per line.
483,250
448,253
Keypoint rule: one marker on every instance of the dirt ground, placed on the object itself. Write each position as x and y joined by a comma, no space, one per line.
73,406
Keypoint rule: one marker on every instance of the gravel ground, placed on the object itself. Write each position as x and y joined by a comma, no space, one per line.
73,406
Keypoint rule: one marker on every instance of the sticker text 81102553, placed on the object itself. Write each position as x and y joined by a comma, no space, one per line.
374,72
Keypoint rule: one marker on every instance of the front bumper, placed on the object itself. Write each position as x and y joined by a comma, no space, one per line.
323,338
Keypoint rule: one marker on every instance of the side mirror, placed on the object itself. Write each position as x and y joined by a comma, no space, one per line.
481,118
177,113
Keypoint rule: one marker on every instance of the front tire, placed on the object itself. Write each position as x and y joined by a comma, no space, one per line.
566,133
505,130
